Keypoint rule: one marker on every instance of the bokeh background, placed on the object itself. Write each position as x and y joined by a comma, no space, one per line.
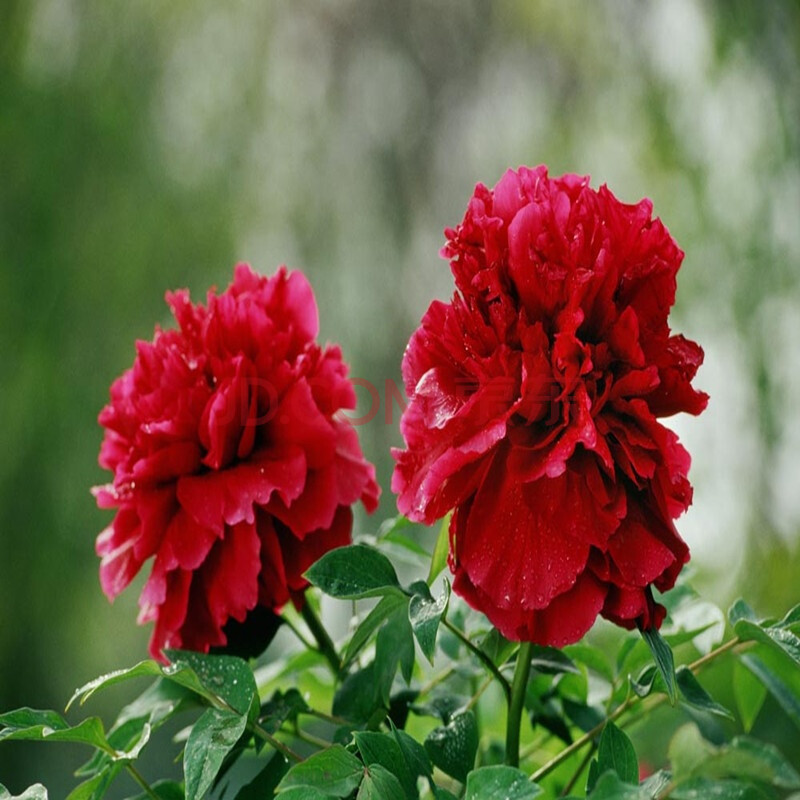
147,146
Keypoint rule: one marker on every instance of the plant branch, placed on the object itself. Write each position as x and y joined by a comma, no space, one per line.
517,703
137,776
620,710
273,742
324,641
482,657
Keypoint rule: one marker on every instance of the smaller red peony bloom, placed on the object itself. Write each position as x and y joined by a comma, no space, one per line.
534,399
232,467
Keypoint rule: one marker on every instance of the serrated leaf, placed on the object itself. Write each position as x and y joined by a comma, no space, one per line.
664,660
776,686
380,784
750,694
615,752
282,706
440,551
695,695
425,614
334,771
500,782
452,747
143,668
376,617
354,572
211,738
35,792
383,749
214,676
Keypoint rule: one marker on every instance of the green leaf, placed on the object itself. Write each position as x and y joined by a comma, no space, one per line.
33,725
214,676
552,661
497,647
334,771
440,551
610,787
166,790
592,658
304,793
642,684
380,784
377,616
615,752
357,699
452,747
383,749
425,615
143,668
353,572
95,787
740,610
792,617
743,758
394,647
35,792
775,685
282,706
706,789
500,781
750,694
662,655
779,639
695,695
413,752
212,737
265,783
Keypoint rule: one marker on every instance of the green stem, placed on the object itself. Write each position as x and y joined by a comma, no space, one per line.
517,703
277,744
137,776
324,641
482,657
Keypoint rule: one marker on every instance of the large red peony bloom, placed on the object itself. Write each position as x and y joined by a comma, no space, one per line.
231,465
533,405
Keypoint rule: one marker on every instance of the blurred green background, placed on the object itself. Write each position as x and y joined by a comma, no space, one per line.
147,146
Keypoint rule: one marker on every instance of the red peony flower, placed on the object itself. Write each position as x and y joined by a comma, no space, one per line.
232,467
533,405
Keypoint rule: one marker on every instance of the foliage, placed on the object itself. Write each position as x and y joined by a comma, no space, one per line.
410,705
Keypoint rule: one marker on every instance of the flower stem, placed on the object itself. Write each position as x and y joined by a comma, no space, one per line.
137,776
324,641
278,745
517,702
482,657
